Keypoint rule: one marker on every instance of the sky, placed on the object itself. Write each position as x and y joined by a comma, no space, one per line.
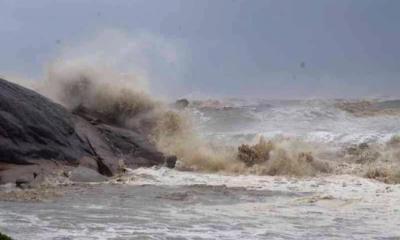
199,48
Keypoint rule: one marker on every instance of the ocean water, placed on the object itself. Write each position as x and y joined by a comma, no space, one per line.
318,121
161,203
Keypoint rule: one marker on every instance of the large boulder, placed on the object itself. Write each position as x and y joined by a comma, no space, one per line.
32,127
39,138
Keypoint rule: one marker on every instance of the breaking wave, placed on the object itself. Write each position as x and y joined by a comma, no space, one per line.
298,138
117,99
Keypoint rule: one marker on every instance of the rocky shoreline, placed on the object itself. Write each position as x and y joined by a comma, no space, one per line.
40,139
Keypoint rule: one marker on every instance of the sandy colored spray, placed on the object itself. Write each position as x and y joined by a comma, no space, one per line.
121,99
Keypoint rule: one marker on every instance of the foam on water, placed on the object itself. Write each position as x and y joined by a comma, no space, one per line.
335,185
169,204
316,121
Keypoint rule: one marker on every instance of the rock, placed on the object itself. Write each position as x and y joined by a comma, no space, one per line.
133,148
39,138
171,161
89,162
116,145
22,183
101,152
84,174
32,127
182,103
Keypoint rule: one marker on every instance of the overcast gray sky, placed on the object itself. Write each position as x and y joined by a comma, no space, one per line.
223,48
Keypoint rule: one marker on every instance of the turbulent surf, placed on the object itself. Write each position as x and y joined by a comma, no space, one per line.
246,168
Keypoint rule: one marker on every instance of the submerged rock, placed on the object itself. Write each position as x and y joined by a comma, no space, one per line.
132,147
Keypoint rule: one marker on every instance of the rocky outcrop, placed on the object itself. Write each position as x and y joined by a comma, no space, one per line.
32,128
114,144
39,137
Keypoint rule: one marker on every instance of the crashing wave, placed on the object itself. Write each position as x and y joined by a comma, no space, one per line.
121,99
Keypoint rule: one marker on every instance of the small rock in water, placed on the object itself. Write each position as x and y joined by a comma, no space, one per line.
21,183
181,103
171,161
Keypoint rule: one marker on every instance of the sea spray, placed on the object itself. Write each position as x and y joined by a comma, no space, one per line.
120,99
114,97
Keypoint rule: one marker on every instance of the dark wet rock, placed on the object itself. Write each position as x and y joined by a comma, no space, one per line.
89,162
22,183
83,174
171,161
34,134
32,127
112,143
135,149
101,152
182,103
39,138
